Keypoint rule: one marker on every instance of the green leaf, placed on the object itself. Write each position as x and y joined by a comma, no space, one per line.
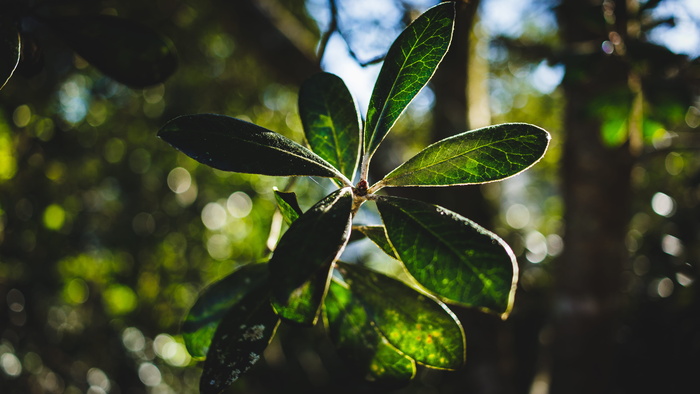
478,156
288,205
356,234
417,325
378,235
300,266
232,144
360,344
331,121
212,305
450,255
239,341
10,48
409,65
129,52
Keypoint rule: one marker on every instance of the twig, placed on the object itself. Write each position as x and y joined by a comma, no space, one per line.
334,27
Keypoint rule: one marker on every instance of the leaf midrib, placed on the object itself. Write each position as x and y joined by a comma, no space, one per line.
478,273
322,163
393,86
401,307
451,158
336,140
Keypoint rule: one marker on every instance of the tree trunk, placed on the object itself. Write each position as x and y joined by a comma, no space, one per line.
596,189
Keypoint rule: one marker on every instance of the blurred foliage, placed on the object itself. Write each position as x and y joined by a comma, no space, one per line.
127,51
107,234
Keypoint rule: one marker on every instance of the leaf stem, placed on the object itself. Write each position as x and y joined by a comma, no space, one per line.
374,188
364,167
344,179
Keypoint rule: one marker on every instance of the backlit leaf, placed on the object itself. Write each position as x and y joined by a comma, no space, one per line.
356,234
417,325
408,66
239,341
129,52
300,266
288,205
378,235
232,144
10,47
212,305
478,156
450,255
360,344
331,121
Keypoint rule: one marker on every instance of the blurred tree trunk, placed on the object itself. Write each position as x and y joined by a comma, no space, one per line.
596,189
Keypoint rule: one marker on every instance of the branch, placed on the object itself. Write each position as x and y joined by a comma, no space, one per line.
334,27
529,51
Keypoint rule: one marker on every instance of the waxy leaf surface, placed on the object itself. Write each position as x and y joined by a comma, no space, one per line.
288,205
331,121
239,341
377,234
478,156
450,255
360,344
408,66
417,325
300,266
9,50
214,303
232,144
125,50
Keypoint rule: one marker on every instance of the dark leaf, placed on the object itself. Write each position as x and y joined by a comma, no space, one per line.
129,52
239,341
331,121
10,48
288,205
409,65
300,266
203,318
356,234
450,255
231,144
478,156
360,344
417,325
378,235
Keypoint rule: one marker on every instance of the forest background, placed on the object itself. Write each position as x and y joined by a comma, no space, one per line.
107,234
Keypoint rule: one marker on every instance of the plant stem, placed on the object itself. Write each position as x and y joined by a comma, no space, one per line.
364,167
373,189
345,180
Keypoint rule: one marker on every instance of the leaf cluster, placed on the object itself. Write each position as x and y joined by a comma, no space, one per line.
380,325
